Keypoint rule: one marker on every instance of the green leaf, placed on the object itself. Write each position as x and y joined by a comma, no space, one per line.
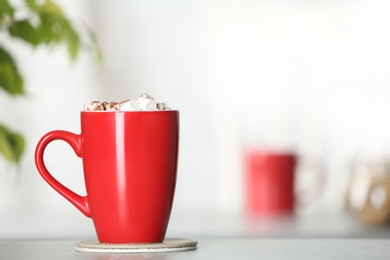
72,40
12,144
51,28
24,30
10,79
95,46
56,29
18,145
5,146
6,10
50,8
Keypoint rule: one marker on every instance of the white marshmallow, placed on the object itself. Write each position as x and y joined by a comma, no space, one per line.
144,103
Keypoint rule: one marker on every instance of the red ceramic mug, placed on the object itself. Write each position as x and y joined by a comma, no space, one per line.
130,163
269,183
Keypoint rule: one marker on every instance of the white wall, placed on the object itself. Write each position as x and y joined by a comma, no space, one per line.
304,75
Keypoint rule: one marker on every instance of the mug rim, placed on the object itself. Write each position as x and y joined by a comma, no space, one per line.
135,111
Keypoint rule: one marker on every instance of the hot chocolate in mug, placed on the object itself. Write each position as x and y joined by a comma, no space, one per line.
130,163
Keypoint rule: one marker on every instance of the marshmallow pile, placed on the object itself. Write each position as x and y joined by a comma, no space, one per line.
144,103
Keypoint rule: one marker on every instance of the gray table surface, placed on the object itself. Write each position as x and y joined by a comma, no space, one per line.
214,249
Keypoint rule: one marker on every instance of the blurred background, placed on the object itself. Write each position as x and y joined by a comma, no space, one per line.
309,78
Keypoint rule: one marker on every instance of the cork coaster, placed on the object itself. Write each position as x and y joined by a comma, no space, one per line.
168,245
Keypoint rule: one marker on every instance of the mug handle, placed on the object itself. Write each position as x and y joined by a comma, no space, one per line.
75,141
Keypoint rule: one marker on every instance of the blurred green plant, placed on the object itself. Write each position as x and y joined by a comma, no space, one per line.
43,23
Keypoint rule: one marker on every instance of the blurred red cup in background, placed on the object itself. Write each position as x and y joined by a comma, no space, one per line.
269,183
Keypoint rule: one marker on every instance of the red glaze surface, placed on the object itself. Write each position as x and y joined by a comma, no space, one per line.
269,183
130,163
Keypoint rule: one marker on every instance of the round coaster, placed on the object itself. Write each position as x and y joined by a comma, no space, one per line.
168,245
